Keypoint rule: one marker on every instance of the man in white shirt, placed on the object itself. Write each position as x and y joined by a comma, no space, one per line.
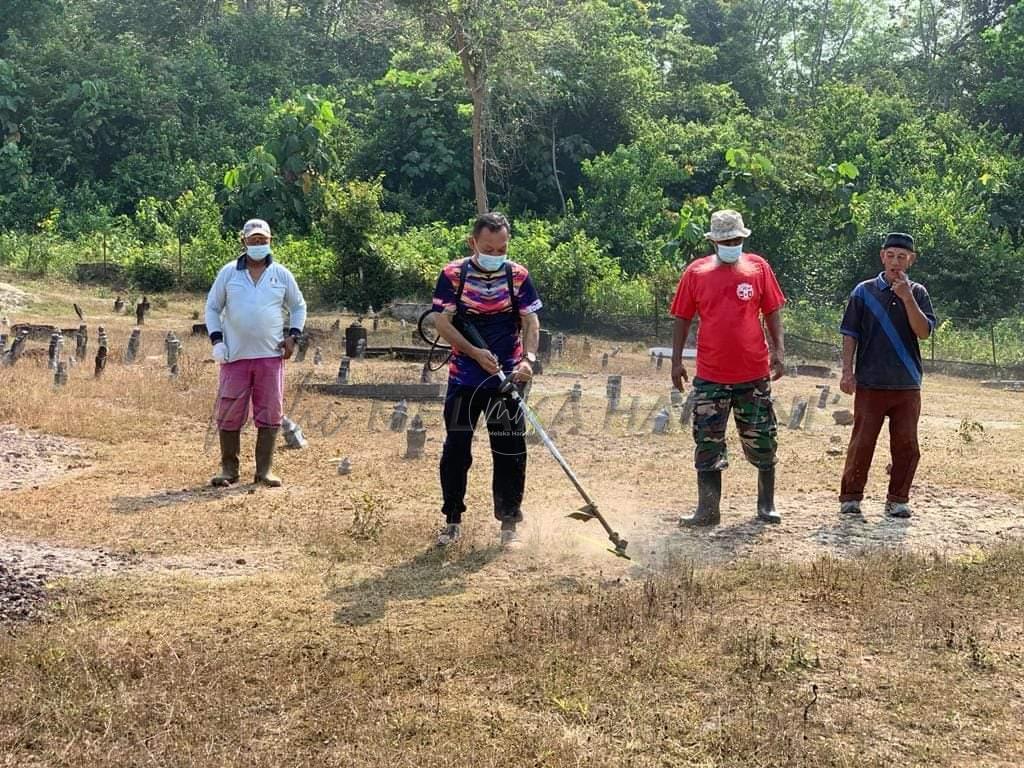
245,320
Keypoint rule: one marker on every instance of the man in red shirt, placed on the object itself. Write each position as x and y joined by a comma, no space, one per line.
730,291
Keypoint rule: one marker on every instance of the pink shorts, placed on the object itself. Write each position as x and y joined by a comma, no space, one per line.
261,380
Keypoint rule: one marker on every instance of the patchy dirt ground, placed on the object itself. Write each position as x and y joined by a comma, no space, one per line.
12,298
307,621
31,459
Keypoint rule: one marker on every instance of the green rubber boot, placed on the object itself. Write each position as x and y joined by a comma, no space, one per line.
230,445
709,500
266,439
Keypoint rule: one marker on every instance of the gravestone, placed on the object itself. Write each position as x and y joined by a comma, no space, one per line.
843,418
399,416
425,373
17,347
613,391
54,350
318,356
344,370
415,438
293,436
60,377
301,346
661,422
82,342
676,398
375,319
118,305
361,349
344,467
173,353
353,335
796,415
101,357
576,393
653,359
661,359
544,346
604,361
3,343
823,398
133,346
140,312
586,346
560,345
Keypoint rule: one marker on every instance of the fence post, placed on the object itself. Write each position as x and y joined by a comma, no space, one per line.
992,334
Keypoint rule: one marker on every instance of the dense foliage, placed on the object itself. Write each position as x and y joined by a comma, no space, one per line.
368,132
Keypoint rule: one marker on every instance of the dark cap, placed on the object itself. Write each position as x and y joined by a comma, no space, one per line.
898,240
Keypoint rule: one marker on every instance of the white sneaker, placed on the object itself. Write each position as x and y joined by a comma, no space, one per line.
897,509
509,535
449,535
849,508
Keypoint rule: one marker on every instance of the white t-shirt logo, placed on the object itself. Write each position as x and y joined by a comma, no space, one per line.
745,291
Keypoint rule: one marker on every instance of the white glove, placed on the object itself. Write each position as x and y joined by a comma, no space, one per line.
220,352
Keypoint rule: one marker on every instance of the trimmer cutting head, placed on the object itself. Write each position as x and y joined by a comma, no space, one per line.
588,513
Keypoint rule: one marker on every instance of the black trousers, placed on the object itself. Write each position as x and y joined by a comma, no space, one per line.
506,427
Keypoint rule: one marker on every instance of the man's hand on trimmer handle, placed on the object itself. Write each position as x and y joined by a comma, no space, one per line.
485,359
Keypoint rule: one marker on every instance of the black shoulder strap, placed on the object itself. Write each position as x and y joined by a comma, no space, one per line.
463,271
510,279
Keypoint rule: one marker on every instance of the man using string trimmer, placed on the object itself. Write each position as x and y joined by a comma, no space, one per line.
498,298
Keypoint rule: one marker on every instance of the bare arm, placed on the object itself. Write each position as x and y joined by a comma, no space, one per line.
777,339
531,333
483,357
680,332
918,320
848,383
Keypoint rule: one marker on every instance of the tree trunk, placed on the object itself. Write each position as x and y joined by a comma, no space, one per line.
476,83
554,166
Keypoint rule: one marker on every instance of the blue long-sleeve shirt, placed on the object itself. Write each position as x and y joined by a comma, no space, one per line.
249,317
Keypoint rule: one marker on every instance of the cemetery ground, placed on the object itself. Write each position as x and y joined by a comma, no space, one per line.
153,620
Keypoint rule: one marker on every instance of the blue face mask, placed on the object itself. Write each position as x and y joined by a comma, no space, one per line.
257,252
729,254
489,262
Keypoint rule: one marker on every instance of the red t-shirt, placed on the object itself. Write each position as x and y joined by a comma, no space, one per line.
729,298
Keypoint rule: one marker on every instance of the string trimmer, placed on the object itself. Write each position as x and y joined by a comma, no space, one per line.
589,510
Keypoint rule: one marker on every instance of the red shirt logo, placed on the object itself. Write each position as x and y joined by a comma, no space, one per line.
745,291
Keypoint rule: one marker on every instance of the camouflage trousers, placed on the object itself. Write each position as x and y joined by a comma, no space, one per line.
751,404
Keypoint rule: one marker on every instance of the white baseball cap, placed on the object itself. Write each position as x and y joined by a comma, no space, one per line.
256,227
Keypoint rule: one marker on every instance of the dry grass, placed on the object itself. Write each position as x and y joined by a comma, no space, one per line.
362,646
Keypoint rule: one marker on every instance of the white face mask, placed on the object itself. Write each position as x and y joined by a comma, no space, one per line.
489,262
257,252
729,254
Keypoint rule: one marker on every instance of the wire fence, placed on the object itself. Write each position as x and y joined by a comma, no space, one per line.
959,345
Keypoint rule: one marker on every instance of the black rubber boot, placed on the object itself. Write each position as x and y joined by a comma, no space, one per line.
766,496
230,445
709,500
266,438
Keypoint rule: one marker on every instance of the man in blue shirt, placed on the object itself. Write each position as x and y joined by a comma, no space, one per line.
885,317
497,296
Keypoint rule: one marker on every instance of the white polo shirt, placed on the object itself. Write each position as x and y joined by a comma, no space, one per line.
250,315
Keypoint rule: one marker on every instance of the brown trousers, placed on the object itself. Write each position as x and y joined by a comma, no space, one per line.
870,407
